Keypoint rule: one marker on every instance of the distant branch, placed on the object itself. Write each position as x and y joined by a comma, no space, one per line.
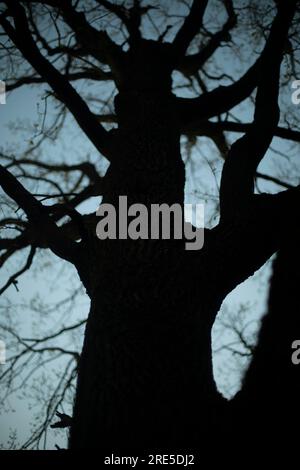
23,40
91,74
14,277
86,168
273,180
97,43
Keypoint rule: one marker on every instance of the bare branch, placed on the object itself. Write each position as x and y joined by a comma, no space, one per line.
190,27
22,38
56,334
14,277
223,98
273,179
96,42
131,17
237,183
87,168
37,215
206,127
190,64
91,74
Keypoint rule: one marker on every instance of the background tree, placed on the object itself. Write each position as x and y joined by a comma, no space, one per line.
145,374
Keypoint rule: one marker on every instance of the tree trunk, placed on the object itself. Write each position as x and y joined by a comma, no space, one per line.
145,377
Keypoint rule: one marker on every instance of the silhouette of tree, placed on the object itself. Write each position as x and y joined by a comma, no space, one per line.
159,78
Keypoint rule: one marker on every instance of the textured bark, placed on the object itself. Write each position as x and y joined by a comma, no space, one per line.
145,377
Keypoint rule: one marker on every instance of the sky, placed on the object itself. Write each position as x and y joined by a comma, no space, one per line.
50,281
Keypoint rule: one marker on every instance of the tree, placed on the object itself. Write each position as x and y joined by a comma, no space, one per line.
145,373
